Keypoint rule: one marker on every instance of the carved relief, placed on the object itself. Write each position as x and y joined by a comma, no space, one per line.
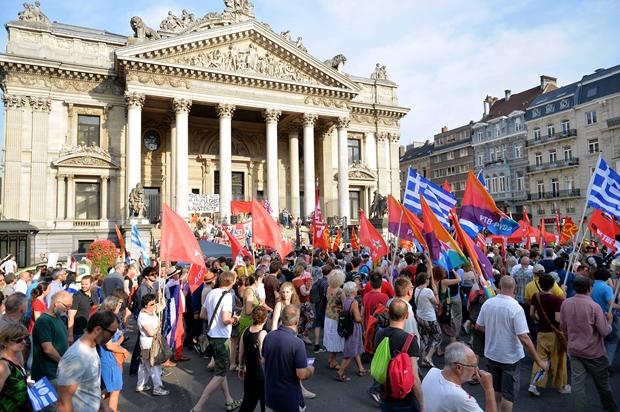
342,122
225,110
134,99
388,121
393,137
382,136
42,104
106,85
85,161
322,101
87,156
182,105
309,119
158,80
247,59
362,119
271,116
13,102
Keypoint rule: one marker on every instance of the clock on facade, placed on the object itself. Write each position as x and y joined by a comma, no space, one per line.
151,140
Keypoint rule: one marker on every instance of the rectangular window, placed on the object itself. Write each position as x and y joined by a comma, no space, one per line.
87,201
480,160
464,152
569,182
540,188
555,186
354,150
354,204
83,245
538,159
450,155
537,133
518,126
593,145
550,130
518,152
238,184
565,127
479,135
502,183
591,117
568,152
497,130
553,156
88,130
520,182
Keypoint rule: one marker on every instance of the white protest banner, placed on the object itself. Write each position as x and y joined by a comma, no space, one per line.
204,203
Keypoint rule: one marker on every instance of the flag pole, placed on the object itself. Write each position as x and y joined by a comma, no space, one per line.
397,238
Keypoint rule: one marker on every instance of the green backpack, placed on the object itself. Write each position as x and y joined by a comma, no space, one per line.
380,361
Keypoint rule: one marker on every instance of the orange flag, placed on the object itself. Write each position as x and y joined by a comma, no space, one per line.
355,242
267,232
326,242
371,238
337,241
178,243
121,241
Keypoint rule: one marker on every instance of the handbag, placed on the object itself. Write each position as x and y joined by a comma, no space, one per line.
444,317
160,350
562,339
204,346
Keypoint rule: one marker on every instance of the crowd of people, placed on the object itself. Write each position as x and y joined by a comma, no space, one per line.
259,319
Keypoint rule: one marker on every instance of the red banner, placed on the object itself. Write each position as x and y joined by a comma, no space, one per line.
605,228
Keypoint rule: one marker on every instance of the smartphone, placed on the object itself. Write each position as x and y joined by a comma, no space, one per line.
311,361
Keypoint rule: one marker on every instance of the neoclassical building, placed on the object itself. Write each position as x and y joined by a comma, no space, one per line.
220,104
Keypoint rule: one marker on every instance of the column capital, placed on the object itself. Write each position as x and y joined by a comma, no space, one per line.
12,101
104,179
134,100
41,104
309,119
70,178
383,136
225,111
181,105
271,115
393,137
342,122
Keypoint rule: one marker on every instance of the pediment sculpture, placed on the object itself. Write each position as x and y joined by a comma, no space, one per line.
33,13
380,72
359,171
85,156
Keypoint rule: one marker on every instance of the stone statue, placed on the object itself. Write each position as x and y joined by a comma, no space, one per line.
239,6
141,30
300,45
171,23
187,18
136,204
380,73
286,34
378,206
32,12
337,62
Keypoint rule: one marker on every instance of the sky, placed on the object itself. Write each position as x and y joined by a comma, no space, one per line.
446,55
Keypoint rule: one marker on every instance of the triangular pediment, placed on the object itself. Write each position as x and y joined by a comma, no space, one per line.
90,157
248,50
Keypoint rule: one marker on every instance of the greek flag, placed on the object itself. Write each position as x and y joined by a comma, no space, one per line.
439,200
42,394
604,189
137,240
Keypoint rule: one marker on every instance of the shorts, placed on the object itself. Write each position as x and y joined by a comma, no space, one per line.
221,355
505,379
319,317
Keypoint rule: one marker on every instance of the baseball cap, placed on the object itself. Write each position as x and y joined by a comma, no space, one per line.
538,268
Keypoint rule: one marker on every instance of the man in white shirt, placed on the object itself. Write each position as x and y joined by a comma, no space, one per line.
442,388
9,265
503,322
217,310
22,282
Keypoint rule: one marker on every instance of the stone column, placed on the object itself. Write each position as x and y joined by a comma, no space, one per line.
343,168
133,150
104,197
293,154
394,140
41,107
383,166
181,172
60,197
271,120
13,125
370,151
173,153
225,113
309,119
70,202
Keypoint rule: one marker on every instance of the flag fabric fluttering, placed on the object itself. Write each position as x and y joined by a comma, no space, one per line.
136,239
178,243
526,228
267,232
175,311
121,242
443,249
327,238
437,198
318,226
337,241
478,210
542,243
606,229
195,277
235,246
409,224
371,238
604,189
355,242
569,230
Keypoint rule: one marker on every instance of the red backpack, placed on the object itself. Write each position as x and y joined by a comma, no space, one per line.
400,380
378,318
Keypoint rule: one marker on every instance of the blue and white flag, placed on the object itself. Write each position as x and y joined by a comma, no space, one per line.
439,200
137,240
481,177
42,394
604,189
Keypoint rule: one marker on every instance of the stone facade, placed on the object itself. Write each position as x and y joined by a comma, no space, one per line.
452,158
418,157
218,104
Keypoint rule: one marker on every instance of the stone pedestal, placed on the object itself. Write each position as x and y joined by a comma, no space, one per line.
144,227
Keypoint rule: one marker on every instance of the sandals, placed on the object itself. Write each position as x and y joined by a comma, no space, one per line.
342,378
334,366
233,405
362,373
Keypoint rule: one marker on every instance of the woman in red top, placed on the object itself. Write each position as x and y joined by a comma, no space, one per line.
303,285
37,303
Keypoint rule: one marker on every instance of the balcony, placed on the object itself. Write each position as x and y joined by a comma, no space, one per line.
87,223
613,122
558,164
558,194
494,162
552,138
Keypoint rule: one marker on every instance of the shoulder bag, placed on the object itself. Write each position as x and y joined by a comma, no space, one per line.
204,346
562,339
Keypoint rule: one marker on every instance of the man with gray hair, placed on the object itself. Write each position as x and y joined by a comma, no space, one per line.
15,307
286,365
442,388
114,280
59,275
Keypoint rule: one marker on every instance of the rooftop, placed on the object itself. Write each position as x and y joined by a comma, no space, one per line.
417,152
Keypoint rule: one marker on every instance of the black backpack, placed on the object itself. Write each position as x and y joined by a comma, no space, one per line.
315,292
345,323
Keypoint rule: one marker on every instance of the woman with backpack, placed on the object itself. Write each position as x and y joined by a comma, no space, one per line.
425,302
353,345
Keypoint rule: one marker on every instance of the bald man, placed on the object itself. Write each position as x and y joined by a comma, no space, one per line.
50,337
503,322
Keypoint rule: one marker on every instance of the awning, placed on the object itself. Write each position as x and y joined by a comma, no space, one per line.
210,249
17,226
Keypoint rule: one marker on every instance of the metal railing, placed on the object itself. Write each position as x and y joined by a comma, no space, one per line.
86,223
573,161
555,194
556,136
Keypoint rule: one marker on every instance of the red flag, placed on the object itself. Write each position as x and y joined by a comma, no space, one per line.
178,243
267,232
569,230
235,246
238,207
371,238
337,241
526,228
195,277
355,243
543,231
605,228
319,240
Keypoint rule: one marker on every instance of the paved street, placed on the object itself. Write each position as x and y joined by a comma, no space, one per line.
188,379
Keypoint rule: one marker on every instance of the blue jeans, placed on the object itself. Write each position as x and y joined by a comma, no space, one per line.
611,340
400,405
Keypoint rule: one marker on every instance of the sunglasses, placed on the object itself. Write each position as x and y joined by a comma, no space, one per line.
23,339
111,332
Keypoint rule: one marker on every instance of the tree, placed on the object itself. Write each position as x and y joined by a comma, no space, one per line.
103,254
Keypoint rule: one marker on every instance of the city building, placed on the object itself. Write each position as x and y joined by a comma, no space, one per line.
101,128
416,156
499,141
453,158
567,129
